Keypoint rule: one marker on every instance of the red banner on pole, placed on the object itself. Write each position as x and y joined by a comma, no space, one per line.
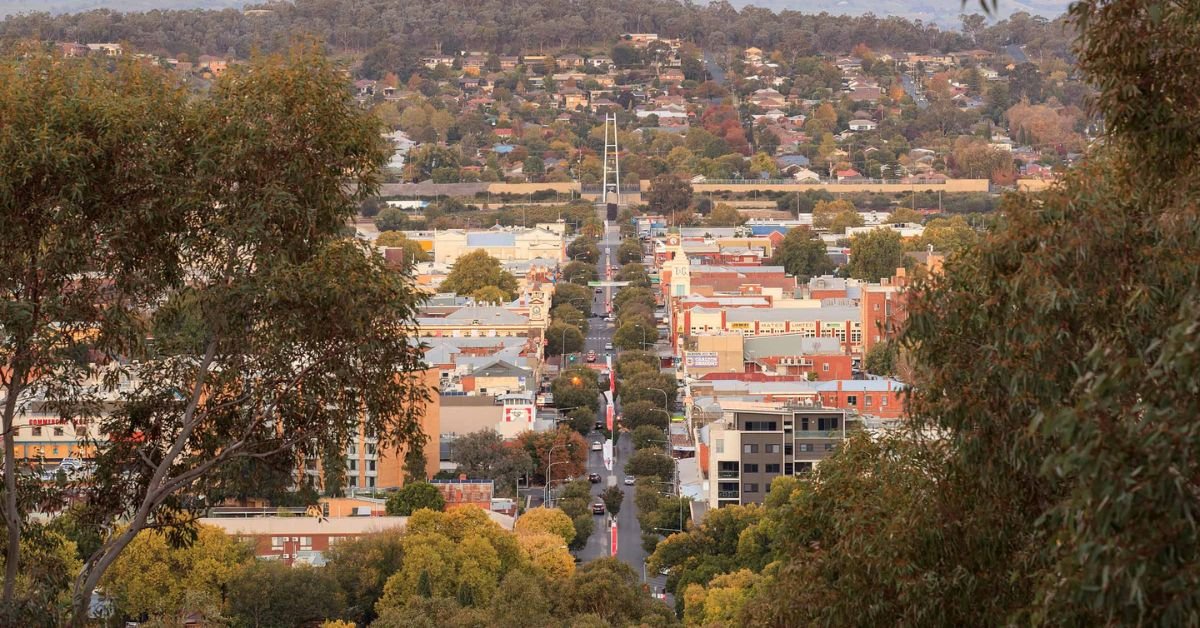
609,416
613,538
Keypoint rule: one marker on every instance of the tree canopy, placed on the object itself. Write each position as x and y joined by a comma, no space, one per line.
478,270
802,253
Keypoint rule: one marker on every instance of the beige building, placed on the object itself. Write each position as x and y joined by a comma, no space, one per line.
507,244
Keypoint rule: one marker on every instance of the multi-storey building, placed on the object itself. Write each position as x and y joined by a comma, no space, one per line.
754,443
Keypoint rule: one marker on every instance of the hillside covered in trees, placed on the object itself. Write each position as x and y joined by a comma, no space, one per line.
414,26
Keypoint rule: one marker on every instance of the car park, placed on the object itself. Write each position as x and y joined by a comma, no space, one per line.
598,508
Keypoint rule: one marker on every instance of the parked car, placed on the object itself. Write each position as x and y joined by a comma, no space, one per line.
629,480
594,478
598,508
596,446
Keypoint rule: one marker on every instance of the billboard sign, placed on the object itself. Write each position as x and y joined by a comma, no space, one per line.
700,359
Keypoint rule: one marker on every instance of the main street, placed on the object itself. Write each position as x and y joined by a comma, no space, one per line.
629,546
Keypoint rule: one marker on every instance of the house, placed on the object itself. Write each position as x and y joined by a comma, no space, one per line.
600,61
509,62
364,87
569,61
863,125
572,98
671,76
434,61
73,49
865,94
753,55
803,175
108,50
848,175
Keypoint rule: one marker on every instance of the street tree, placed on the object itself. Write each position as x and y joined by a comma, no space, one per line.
567,313
492,295
669,193
485,454
724,215
413,497
635,335
647,436
578,297
651,463
563,338
875,254
802,253
635,274
579,273
584,248
645,413
582,419
564,448
477,270
612,497
629,252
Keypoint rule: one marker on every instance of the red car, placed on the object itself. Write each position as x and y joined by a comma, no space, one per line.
598,508
591,356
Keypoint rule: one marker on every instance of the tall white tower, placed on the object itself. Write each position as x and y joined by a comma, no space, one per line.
611,156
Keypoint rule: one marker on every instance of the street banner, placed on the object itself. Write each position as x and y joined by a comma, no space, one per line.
608,454
612,536
609,416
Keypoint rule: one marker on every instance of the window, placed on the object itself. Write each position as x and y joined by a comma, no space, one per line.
720,445
787,468
803,467
825,367
804,424
772,449
749,468
371,465
58,431
806,447
353,466
852,400
277,542
37,431
353,481
826,424
761,426
352,449
787,449
828,446
370,449
749,449
883,400
868,400
749,488
772,468
306,542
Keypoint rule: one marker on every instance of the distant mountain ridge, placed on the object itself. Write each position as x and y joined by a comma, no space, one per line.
941,12
10,7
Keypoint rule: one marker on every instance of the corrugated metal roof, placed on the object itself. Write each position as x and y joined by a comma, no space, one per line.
485,238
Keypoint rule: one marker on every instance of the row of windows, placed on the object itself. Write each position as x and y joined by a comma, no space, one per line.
761,426
751,467
752,448
852,400
58,430
353,465
304,543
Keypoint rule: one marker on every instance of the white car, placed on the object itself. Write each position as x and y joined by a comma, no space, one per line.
608,346
629,480
596,446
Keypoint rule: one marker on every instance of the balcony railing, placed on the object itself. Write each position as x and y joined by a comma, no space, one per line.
826,434
724,475
727,494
